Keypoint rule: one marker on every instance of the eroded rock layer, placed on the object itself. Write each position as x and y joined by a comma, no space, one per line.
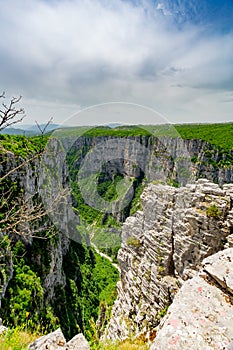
163,246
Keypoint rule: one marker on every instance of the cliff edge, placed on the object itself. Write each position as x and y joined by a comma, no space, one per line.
163,246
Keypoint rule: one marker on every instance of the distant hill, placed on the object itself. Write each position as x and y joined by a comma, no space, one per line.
28,129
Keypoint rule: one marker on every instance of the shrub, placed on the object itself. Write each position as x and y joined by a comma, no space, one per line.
134,242
213,211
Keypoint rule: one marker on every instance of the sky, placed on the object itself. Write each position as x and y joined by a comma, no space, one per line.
174,57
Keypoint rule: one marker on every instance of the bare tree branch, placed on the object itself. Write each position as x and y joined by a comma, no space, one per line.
9,113
20,214
43,130
21,165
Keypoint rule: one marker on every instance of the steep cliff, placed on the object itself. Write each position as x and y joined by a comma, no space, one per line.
49,273
164,245
100,166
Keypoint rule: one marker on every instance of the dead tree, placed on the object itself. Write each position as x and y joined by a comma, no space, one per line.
9,113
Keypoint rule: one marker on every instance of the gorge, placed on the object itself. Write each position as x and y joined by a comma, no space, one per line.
185,215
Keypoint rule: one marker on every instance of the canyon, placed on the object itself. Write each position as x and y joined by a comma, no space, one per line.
185,216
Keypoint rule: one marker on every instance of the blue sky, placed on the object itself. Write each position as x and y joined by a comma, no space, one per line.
172,56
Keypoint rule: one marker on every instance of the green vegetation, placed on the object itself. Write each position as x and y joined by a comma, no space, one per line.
97,131
18,339
21,145
121,131
220,135
213,211
124,345
107,239
108,189
162,312
90,281
105,276
133,242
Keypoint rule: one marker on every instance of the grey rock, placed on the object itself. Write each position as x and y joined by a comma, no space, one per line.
79,342
2,329
200,316
220,267
57,341
52,341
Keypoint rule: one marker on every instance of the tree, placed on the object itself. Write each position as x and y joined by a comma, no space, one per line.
9,114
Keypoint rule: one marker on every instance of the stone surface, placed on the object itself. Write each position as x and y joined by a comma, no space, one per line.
200,317
2,329
78,343
52,341
163,246
57,341
220,267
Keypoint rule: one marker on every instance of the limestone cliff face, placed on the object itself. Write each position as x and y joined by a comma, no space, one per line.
46,249
164,245
157,158
31,178
168,160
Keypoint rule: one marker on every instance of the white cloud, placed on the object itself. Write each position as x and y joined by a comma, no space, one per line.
87,52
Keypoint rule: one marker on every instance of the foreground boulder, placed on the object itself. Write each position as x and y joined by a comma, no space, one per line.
78,343
57,341
200,317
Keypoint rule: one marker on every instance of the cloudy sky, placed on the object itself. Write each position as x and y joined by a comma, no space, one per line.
172,56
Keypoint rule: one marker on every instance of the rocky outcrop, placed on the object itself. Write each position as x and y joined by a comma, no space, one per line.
163,246
200,316
57,341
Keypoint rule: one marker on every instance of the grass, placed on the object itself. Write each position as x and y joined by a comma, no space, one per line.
16,339
125,345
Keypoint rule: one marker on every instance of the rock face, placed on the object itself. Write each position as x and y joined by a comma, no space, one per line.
169,160
200,317
163,246
57,341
